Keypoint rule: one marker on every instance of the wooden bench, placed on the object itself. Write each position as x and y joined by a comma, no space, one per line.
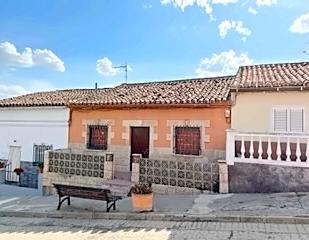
65,192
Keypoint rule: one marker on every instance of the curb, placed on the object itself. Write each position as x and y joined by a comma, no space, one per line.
160,217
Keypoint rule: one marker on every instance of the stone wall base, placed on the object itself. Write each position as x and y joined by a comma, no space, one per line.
259,178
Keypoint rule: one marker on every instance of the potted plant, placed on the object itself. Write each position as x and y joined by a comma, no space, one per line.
142,197
18,171
41,166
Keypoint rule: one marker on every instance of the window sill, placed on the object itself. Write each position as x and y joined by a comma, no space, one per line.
191,156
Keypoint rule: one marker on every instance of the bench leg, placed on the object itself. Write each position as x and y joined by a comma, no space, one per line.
62,200
109,205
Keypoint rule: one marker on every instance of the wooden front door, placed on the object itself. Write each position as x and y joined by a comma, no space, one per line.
139,142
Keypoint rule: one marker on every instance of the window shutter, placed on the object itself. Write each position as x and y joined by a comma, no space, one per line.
280,120
297,120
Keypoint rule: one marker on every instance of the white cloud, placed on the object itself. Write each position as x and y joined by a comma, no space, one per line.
206,5
228,25
32,85
9,56
301,24
252,10
7,91
224,63
267,3
182,4
105,67
147,6
224,2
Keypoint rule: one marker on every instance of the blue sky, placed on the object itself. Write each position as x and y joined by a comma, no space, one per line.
55,44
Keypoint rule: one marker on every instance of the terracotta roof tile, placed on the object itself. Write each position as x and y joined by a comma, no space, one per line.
189,91
272,76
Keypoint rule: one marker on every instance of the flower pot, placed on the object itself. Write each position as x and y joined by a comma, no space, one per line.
142,202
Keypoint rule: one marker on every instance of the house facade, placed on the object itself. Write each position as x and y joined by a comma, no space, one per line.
30,126
176,120
170,133
267,145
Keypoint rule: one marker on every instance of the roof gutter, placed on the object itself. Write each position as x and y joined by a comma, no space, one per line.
143,106
270,89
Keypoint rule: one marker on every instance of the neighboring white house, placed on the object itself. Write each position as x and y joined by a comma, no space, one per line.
37,118
26,126
268,144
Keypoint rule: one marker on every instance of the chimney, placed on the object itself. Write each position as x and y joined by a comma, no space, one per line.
96,85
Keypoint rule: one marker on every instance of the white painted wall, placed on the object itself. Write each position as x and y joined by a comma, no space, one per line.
31,125
252,111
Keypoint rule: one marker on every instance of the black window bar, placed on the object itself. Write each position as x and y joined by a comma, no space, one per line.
97,137
187,140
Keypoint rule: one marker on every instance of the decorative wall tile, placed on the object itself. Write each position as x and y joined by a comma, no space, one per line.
164,173
149,163
173,182
180,165
142,179
189,166
164,164
165,181
142,170
181,183
157,180
172,165
76,164
173,173
198,167
189,184
149,171
157,163
179,173
189,175
142,162
157,172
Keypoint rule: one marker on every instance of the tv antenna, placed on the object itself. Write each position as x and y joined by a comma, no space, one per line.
125,68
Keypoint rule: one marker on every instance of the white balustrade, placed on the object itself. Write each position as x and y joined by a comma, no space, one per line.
275,149
251,148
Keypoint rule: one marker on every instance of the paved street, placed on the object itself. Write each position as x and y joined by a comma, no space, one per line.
43,228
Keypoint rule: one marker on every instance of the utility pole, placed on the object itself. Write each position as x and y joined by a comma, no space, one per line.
125,67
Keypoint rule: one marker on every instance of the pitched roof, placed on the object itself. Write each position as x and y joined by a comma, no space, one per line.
272,76
50,98
189,91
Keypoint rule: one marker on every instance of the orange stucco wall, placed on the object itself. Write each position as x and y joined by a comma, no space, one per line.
216,116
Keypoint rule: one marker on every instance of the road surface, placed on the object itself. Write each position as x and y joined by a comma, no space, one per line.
75,229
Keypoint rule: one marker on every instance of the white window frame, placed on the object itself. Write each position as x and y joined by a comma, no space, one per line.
288,108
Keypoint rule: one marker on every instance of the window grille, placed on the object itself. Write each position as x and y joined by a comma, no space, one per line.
97,137
38,152
187,140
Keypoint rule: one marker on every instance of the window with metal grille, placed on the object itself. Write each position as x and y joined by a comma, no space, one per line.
187,140
38,152
97,137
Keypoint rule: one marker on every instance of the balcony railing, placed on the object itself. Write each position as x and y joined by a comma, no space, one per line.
274,149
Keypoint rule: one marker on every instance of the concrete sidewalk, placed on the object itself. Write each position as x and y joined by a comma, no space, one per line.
271,208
